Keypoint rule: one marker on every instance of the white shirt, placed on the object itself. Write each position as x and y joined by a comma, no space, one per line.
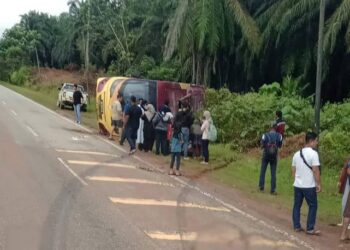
116,111
205,130
304,177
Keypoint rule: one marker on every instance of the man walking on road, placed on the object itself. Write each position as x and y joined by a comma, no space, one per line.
132,122
77,100
270,143
307,183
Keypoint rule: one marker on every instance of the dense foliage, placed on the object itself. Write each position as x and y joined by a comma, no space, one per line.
242,119
232,43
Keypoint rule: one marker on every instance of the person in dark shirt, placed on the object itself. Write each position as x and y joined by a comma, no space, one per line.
270,142
132,122
281,124
77,99
186,117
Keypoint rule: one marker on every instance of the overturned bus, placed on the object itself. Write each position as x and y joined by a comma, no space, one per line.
155,92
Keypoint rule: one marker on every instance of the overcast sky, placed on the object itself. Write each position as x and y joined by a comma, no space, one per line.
11,10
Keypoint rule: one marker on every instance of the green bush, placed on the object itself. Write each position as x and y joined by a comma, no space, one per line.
21,76
334,147
241,119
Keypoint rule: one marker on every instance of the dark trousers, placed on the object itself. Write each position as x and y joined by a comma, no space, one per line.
123,136
205,148
161,142
175,157
310,196
272,160
131,135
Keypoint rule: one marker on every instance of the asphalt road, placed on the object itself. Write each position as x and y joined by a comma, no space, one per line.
64,187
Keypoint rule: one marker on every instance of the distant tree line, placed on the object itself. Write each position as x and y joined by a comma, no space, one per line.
237,44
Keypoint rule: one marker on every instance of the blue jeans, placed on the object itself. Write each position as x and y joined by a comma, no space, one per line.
77,111
131,135
175,157
266,159
310,196
186,135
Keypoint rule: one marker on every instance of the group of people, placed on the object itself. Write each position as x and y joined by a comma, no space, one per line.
305,172
143,127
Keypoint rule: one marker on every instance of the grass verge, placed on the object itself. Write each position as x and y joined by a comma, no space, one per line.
243,172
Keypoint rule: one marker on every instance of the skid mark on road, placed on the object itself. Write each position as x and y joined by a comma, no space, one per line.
100,164
72,172
168,203
86,152
127,180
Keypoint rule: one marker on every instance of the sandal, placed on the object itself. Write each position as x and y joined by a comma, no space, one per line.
177,173
298,230
171,172
314,232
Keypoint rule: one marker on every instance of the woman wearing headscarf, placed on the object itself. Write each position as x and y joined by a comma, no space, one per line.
205,139
148,129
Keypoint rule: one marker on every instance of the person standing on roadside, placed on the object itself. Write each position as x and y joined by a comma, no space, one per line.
307,183
346,208
123,135
176,148
117,115
281,124
186,123
77,100
270,142
132,123
148,129
205,138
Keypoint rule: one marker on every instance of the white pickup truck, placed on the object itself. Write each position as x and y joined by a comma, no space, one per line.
65,96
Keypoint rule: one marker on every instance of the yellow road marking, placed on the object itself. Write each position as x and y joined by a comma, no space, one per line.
157,235
151,202
104,164
259,241
127,180
85,152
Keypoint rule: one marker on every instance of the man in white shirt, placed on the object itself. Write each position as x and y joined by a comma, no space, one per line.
307,183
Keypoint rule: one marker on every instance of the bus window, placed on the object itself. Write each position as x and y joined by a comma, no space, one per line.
137,88
113,86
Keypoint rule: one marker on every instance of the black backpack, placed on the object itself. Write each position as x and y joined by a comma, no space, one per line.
271,147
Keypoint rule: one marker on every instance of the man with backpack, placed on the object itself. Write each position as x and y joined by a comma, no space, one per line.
270,143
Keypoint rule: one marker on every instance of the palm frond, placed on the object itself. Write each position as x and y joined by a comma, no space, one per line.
335,24
175,29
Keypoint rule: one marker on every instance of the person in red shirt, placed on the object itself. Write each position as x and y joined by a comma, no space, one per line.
281,124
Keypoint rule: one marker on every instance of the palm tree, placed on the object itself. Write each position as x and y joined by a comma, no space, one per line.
202,30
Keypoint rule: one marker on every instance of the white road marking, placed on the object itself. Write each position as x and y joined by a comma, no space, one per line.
112,144
3,102
102,164
86,152
157,235
32,131
72,172
206,238
168,203
127,180
14,113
